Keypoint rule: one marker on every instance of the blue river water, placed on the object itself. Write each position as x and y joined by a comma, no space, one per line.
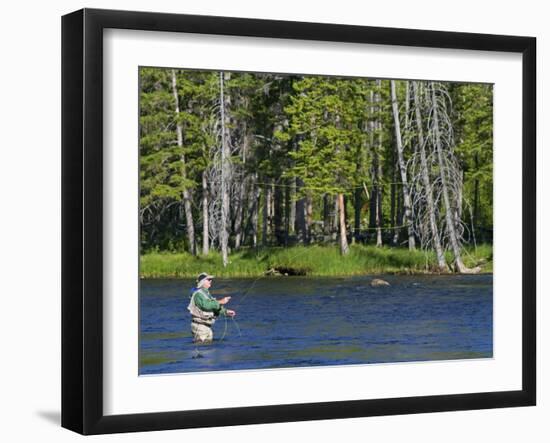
285,322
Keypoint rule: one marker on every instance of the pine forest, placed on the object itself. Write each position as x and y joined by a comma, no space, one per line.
250,173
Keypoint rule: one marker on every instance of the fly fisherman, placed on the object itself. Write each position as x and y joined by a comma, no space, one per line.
205,309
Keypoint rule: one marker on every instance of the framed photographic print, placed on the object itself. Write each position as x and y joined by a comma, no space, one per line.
269,221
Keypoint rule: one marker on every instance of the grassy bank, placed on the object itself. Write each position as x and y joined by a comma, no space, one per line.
311,260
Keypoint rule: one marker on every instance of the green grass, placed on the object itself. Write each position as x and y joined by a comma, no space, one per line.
312,260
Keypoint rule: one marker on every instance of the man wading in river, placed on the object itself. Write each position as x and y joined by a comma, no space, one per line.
205,309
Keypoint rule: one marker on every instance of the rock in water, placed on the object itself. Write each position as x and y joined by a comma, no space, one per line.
376,282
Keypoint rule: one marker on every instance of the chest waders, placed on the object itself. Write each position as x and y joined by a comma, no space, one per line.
202,321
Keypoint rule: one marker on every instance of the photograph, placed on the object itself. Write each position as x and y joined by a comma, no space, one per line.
316,219
290,220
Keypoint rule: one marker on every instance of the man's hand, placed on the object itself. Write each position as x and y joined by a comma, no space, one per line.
230,313
223,301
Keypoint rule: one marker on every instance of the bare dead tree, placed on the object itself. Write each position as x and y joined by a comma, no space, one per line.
266,213
344,247
449,172
254,211
424,200
220,172
437,178
377,164
225,168
402,167
205,224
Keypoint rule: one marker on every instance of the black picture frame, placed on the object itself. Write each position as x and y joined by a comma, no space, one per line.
82,218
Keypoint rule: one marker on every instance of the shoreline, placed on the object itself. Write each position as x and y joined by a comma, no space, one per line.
307,261
376,274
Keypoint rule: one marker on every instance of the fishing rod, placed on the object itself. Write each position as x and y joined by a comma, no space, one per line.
245,294
236,306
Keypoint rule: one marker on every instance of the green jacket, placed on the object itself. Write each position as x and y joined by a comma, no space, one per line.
205,302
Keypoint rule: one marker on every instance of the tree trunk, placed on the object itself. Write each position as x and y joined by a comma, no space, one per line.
326,214
292,213
287,211
402,167
400,212
372,202
186,194
378,218
335,218
255,212
407,129
379,172
344,248
266,212
358,192
374,166
393,208
309,218
476,215
239,215
427,184
301,228
242,193
358,201
205,233
278,202
459,198
224,234
450,222
375,204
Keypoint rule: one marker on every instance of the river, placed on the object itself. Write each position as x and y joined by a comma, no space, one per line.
285,322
